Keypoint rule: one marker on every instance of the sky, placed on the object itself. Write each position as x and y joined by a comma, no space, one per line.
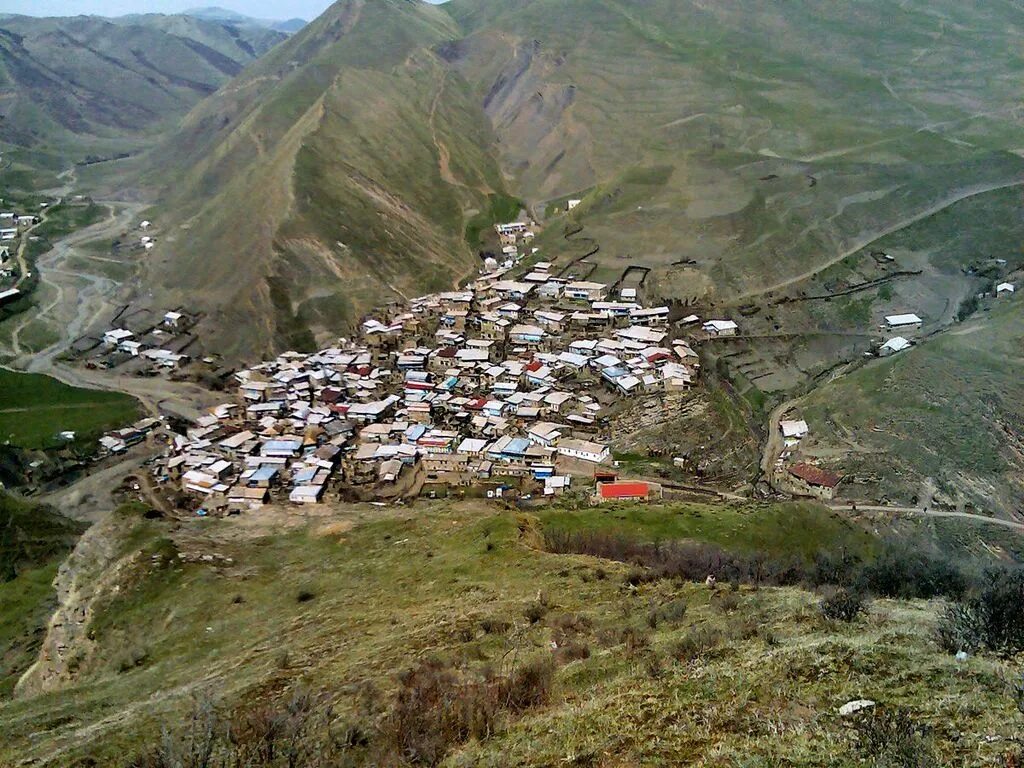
261,9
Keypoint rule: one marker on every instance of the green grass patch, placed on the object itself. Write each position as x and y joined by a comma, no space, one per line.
501,208
801,529
36,408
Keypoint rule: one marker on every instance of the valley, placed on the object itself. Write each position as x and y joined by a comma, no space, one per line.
650,367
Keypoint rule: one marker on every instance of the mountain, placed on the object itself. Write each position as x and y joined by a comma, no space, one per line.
713,145
71,85
214,13
368,154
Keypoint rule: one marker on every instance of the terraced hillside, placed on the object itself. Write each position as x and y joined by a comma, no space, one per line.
73,87
733,149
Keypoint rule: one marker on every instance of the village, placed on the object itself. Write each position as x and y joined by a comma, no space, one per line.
507,385
13,225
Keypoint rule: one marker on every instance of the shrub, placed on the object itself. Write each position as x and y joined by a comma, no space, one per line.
905,572
894,740
305,595
842,605
529,685
571,650
695,644
635,640
495,626
991,617
534,612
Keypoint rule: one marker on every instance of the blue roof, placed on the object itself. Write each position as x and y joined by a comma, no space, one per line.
264,473
517,446
415,432
305,475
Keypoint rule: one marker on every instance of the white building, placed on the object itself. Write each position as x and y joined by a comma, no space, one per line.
893,345
903,320
720,327
584,450
1004,288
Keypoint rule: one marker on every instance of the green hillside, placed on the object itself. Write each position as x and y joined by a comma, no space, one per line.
346,605
34,539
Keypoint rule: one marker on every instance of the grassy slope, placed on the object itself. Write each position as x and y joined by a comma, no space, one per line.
390,591
33,540
949,409
36,408
369,157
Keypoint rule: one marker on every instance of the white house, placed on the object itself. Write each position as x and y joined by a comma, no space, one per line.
793,428
570,204
720,327
902,320
116,335
893,345
1004,288
583,449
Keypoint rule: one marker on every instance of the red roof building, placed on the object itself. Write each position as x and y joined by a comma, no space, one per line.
813,475
623,490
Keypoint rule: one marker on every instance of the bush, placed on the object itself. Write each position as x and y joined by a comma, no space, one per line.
495,626
571,650
534,612
991,617
894,740
903,572
529,685
696,644
842,605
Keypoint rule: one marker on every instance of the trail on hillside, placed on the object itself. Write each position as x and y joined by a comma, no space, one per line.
864,242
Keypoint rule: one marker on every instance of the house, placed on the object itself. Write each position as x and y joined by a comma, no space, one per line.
527,334
11,294
902,320
583,290
1004,289
248,496
306,494
173,319
584,450
793,429
720,327
893,345
570,204
626,490
115,336
814,481
544,433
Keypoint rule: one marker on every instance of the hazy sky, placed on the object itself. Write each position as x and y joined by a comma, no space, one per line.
262,9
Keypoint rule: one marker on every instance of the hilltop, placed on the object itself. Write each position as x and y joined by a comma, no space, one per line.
216,13
346,602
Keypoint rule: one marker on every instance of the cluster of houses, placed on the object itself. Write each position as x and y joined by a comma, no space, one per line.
806,479
12,224
157,345
509,380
